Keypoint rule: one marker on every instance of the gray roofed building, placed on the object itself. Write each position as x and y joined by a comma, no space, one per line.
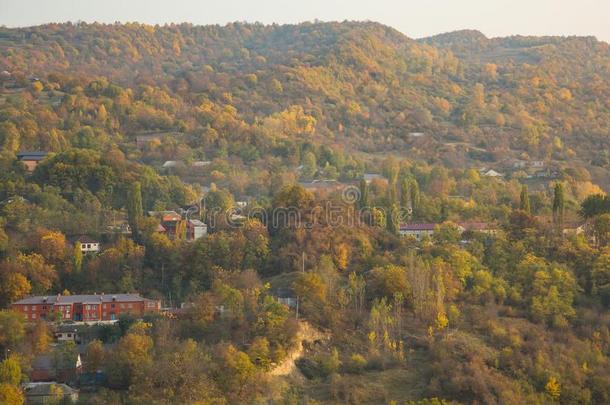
86,298
48,392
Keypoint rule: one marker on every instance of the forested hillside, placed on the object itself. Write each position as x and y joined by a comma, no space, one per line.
387,220
362,83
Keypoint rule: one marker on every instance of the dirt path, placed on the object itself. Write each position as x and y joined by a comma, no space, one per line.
306,333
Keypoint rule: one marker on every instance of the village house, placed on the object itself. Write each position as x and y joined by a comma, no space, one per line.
86,244
67,333
143,140
171,164
45,368
39,393
369,177
169,221
201,163
492,173
195,229
286,296
573,229
420,230
417,231
483,227
31,159
85,308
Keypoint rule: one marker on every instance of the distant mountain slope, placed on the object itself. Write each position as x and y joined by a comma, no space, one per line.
366,84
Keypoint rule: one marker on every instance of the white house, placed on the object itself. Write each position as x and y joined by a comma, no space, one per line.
87,244
492,173
195,229
417,231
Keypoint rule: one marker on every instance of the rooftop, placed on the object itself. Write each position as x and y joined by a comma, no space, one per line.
418,227
34,155
83,239
86,298
196,222
43,389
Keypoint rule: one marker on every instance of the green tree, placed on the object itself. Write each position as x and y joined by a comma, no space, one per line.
94,356
524,202
310,165
12,328
405,194
363,202
601,229
77,258
558,204
594,205
135,210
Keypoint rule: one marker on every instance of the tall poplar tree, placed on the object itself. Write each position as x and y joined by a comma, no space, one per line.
558,204
134,208
524,203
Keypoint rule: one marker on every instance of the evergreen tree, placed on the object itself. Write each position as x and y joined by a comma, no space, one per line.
364,194
405,195
134,208
415,196
524,203
558,204
78,258
392,221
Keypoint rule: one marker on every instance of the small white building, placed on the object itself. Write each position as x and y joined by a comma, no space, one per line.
417,231
87,244
492,173
196,229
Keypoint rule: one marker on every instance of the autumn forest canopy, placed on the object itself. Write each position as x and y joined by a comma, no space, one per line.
472,264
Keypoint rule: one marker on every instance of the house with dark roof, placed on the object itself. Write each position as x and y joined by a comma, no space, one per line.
474,226
86,244
49,392
31,159
417,231
85,308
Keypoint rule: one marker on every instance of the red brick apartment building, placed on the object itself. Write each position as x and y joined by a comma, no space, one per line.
86,308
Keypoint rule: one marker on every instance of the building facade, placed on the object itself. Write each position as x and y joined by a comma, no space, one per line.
417,231
31,159
85,308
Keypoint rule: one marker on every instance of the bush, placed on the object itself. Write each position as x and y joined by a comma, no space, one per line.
356,364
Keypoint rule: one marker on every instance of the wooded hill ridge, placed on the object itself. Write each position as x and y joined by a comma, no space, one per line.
365,84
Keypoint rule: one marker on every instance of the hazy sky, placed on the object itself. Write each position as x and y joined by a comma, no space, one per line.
414,18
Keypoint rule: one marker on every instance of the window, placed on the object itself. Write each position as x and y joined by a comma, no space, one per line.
130,306
122,306
44,307
69,335
33,316
88,307
25,308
